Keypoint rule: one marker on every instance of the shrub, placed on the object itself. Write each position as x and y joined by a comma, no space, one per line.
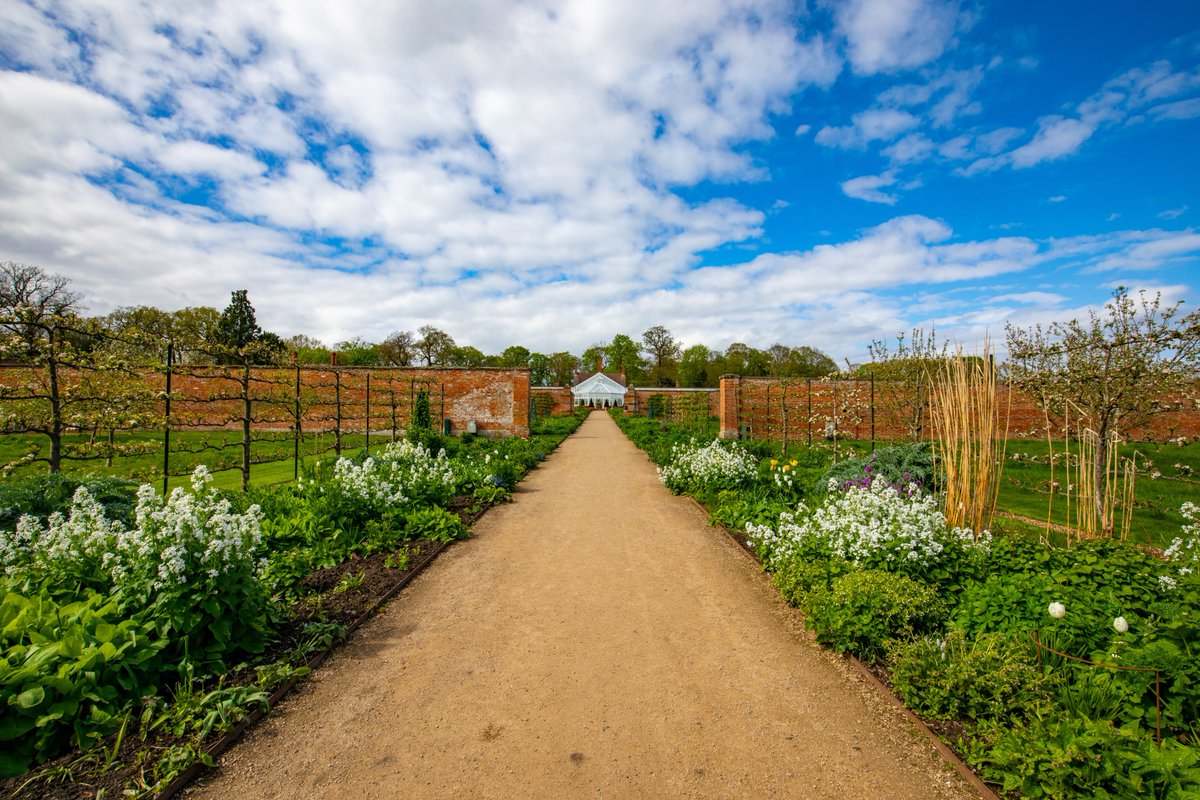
900,465
696,468
875,527
1065,756
988,677
189,565
864,610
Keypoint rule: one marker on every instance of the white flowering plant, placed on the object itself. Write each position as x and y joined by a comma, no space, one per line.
1185,549
189,564
406,474
698,468
875,526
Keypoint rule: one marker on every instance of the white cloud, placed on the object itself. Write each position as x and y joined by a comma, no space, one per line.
1173,213
868,188
1058,198
894,35
868,126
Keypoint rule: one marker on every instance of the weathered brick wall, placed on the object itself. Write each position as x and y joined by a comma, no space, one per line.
495,399
768,406
558,399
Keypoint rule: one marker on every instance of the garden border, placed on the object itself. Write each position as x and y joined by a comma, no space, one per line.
231,737
946,752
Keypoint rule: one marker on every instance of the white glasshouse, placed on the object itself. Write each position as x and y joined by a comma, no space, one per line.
599,391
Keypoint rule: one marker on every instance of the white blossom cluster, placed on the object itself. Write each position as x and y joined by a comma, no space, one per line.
1185,550
76,542
404,471
191,536
876,524
417,469
714,466
371,482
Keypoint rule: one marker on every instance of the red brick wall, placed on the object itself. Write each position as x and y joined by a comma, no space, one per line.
497,400
760,403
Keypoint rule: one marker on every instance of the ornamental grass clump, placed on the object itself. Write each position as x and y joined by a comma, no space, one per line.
705,469
876,527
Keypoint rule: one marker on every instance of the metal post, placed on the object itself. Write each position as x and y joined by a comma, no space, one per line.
337,413
810,413
167,420
872,411
296,431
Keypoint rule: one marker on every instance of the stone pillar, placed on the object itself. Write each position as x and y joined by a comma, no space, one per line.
730,387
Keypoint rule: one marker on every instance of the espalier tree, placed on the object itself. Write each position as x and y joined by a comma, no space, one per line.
73,380
1113,371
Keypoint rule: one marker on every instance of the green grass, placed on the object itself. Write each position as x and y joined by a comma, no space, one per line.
142,456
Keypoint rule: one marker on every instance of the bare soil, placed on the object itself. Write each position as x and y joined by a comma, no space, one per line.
595,638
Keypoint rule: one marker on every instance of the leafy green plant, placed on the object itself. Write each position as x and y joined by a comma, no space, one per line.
863,611
989,677
899,465
1063,756
67,673
434,524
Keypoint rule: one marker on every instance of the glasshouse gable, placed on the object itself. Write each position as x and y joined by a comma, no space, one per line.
599,391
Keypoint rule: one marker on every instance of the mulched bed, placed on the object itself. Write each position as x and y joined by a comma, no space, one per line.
76,775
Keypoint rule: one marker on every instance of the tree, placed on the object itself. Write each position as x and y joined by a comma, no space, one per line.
693,367
561,367
1114,371
308,350
664,351
193,329
906,375
238,337
74,381
465,356
397,350
434,346
592,357
357,352
515,356
539,369
30,299
624,354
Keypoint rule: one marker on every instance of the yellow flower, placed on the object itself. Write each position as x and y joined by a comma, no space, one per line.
786,467
774,463
795,463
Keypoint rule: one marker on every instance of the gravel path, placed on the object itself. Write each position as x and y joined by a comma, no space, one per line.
595,638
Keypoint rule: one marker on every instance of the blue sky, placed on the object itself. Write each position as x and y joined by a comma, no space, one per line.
553,173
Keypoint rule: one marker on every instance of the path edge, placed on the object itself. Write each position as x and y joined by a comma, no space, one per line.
960,766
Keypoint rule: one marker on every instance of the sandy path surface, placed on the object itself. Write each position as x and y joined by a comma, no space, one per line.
595,638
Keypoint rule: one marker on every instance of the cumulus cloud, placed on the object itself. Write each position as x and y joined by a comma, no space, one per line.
893,35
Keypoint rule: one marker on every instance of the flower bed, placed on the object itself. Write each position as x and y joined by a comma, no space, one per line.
132,638
1053,671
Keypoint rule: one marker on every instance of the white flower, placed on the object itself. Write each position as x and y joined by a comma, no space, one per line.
1167,583
1057,610
1120,625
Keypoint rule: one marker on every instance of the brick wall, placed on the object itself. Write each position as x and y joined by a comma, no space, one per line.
769,406
495,399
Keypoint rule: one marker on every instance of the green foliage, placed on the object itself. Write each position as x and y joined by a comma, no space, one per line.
862,611
42,495
988,677
421,419
900,465
798,577
67,672
434,524
1067,757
